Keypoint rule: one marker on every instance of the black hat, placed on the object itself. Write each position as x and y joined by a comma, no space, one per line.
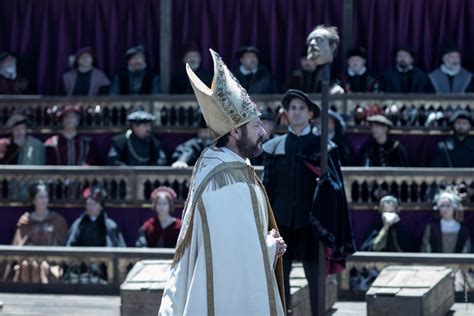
380,119
134,50
461,114
141,117
405,48
247,49
266,115
449,48
340,123
293,93
4,55
360,51
16,119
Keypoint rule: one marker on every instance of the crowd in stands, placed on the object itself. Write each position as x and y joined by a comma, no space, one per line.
84,78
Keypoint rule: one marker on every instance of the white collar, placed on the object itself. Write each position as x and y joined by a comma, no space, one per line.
352,73
400,69
450,72
451,226
305,131
246,71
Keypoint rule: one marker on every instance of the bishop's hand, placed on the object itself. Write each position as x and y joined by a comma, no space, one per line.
280,243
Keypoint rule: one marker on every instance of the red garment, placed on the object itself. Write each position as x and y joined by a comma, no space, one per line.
72,152
14,86
156,236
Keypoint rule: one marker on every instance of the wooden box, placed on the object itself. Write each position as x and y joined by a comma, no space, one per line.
300,292
141,291
411,290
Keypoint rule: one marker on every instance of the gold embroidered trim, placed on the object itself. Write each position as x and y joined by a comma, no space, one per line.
208,254
223,175
263,246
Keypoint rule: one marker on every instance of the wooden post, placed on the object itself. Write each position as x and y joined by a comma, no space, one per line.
165,44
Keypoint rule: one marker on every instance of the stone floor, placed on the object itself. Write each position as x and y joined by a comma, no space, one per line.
81,305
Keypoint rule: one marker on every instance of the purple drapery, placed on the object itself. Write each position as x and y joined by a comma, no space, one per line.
46,32
278,28
425,25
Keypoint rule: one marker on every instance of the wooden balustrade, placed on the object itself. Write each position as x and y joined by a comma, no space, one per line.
84,270
180,112
132,186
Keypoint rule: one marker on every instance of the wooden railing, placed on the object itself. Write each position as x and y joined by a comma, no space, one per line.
77,265
130,186
180,112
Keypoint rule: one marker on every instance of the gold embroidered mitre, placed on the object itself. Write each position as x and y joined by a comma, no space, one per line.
226,105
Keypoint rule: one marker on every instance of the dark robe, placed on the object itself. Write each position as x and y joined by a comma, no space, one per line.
152,235
90,83
19,85
189,151
436,238
180,83
443,83
390,154
452,153
99,233
306,81
79,150
133,83
260,82
399,239
128,149
413,81
359,83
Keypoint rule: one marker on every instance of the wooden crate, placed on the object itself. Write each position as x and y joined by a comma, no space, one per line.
142,290
411,290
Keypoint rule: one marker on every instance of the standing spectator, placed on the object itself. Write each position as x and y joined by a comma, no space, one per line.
252,75
11,81
456,151
162,230
382,150
447,234
451,77
306,79
94,228
41,227
337,134
180,83
137,78
137,146
405,77
389,235
69,147
187,154
290,185
20,148
84,78
356,77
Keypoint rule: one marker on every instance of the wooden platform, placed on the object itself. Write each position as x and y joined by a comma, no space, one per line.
83,305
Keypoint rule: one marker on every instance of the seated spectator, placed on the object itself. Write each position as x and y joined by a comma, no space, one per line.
447,234
187,153
20,148
137,79
162,230
451,77
306,79
137,146
382,150
405,77
337,134
180,83
390,235
41,227
68,147
268,124
356,78
84,78
456,151
94,228
11,81
253,76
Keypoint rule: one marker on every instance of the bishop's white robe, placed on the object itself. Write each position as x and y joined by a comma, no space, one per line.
225,261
